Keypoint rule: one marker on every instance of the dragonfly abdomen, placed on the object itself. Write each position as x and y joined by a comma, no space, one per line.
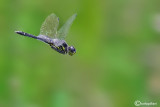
26,34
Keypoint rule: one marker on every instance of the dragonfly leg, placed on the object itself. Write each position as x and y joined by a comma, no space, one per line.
57,49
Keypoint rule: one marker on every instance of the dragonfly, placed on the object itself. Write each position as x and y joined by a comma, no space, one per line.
55,38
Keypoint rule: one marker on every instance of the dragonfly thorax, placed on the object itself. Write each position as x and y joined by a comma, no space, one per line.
62,47
58,42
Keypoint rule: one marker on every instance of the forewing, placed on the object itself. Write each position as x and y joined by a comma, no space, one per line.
62,33
49,26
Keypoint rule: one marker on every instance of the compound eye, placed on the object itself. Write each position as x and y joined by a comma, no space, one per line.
72,49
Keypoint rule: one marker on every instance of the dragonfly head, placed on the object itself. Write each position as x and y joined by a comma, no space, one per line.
71,50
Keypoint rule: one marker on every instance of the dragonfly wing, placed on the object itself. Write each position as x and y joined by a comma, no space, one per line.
62,33
49,26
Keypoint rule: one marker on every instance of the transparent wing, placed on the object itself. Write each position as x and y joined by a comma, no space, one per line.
49,26
62,33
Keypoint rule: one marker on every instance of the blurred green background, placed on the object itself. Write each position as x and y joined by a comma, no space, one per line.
117,60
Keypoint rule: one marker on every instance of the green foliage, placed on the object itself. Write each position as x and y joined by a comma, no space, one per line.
116,63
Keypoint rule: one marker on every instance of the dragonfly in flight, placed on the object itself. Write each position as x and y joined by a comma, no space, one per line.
50,35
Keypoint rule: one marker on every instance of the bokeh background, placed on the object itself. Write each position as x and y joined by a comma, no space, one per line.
117,60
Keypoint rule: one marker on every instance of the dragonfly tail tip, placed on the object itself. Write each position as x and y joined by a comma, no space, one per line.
17,31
